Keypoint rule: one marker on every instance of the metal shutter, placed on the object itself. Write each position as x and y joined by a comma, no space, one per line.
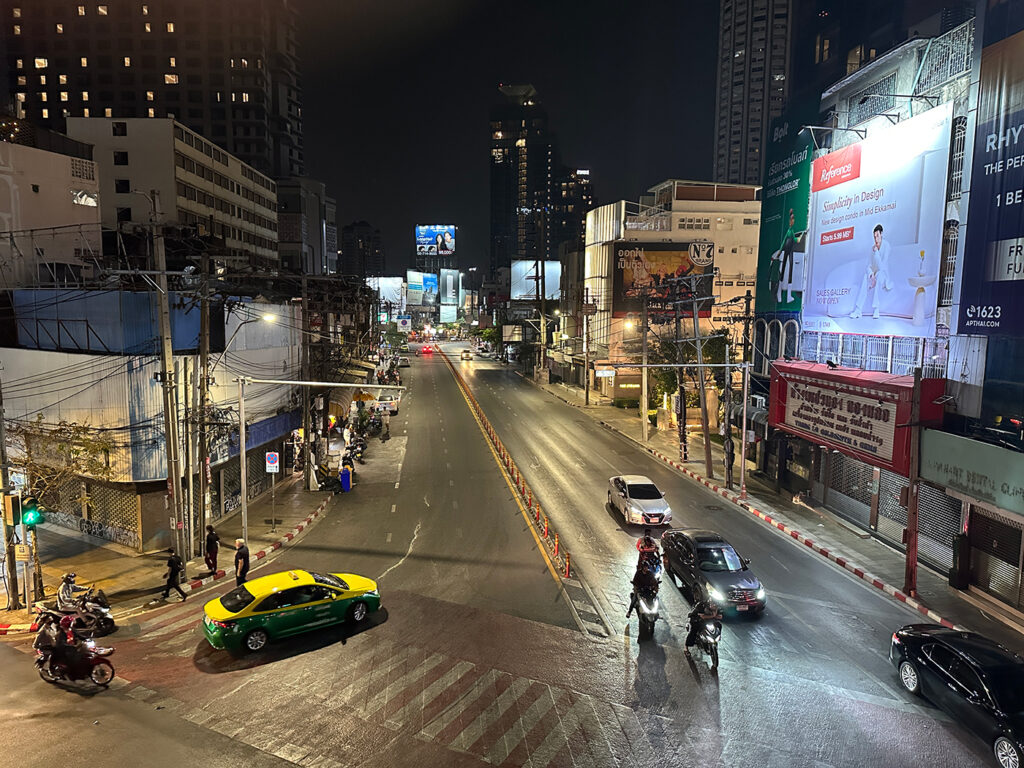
892,518
938,521
995,554
849,493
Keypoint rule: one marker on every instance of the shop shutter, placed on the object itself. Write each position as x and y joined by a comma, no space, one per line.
849,493
995,554
892,518
938,521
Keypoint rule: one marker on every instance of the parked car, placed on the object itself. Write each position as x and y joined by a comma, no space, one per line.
976,681
388,403
638,500
708,567
403,362
466,355
286,603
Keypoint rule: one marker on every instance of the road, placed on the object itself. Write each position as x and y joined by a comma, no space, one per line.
478,657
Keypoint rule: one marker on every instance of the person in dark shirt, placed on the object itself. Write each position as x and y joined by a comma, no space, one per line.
173,575
706,610
644,578
241,561
212,546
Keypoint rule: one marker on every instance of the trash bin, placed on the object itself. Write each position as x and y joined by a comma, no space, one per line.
346,479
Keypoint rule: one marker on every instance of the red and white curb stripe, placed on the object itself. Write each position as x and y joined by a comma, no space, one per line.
10,629
809,543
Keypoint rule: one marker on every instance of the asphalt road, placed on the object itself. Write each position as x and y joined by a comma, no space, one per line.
476,658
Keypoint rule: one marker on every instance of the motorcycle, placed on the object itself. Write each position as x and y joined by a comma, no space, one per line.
91,611
647,611
90,662
708,638
650,560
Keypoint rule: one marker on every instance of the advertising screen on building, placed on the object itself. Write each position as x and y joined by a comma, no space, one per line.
525,275
429,289
640,269
991,289
390,291
449,313
877,212
435,239
414,292
449,287
785,213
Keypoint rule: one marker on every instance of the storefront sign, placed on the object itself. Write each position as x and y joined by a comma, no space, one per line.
979,470
863,414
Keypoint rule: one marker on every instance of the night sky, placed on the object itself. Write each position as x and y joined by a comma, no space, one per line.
397,95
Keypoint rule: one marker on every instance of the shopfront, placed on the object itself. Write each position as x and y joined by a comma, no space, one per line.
846,435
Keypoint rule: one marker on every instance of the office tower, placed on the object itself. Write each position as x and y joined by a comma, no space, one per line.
361,251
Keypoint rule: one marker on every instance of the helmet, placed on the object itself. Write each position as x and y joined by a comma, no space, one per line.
69,577
647,532
67,622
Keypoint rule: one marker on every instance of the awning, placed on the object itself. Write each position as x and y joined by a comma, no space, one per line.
354,375
368,366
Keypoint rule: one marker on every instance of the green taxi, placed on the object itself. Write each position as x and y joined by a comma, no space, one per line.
286,603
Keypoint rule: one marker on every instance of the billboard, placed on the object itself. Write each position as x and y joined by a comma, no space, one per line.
449,287
414,292
429,289
993,263
785,208
525,275
640,269
390,291
877,210
449,313
435,239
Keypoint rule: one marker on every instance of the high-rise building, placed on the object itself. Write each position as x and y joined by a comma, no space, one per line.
307,227
225,69
751,89
572,196
522,163
361,251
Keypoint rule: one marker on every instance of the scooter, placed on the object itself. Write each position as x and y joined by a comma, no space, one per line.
90,662
647,611
708,638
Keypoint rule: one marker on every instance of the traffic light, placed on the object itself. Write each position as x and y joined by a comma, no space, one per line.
31,512
12,509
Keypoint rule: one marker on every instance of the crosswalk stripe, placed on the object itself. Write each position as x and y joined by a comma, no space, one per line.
394,687
516,733
558,738
484,683
419,701
472,732
362,685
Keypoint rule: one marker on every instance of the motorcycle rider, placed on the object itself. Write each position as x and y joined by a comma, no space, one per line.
644,578
46,636
705,610
66,593
66,645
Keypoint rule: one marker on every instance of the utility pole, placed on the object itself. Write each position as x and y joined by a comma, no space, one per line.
727,436
543,317
645,423
743,439
702,383
910,534
680,381
304,354
204,396
13,596
586,347
243,459
747,319
172,444
187,388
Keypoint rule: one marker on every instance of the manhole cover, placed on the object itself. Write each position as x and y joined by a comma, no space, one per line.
712,508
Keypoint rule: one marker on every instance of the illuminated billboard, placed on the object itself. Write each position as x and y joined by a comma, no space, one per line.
642,269
448,313
449,287
526,274
390,292
435,239
877,210
414,292
429,289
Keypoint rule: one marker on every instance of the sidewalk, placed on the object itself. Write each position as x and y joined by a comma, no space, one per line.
132,580
855,550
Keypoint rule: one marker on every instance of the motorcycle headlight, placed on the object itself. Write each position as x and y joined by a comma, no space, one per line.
760,594
90,643
715,595
709,626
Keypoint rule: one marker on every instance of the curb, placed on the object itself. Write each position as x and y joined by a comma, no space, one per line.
191,586
860,573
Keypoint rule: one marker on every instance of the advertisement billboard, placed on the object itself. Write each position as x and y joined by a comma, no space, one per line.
449,287
640,269
435,239
993,263
785,209
525,275
414,291
390,292
877,210
429,289
449,313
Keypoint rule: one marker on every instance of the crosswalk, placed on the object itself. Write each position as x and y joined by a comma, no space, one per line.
482,711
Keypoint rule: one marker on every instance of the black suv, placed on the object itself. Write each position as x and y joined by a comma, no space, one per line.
976,681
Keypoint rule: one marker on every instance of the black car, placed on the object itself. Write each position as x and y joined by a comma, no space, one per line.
709,567
976,681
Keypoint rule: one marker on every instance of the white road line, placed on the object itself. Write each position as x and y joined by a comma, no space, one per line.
432,691
393,508
380,700
396,484
456,708
490,715
517,731
455,504
415,533
388,538
451,483
458,532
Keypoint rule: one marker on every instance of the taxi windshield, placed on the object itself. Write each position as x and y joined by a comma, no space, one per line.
237,599
326,578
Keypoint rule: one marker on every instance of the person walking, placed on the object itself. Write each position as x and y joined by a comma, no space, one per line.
174,569
386,421
212,545
241,562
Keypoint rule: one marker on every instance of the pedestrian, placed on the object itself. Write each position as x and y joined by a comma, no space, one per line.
212,545
241,561
174,569
386,421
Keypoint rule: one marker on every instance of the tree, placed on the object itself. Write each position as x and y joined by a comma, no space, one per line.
490,335
662,349
393,336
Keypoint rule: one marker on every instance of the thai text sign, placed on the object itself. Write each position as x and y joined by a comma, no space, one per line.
865,424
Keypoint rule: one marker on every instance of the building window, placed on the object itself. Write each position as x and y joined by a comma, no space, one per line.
42,79
84,61
60,29
63,79
145,10
81,10
46,114
147,27
245,96
22,80
108,112
120,158
127,61
42,96
150,112
101,10
149,95
170,26
85,112
20,97
63,95
170,79
40,63
19,63
122,186
173,62
17,29
16,13
85,95
119,129
124,214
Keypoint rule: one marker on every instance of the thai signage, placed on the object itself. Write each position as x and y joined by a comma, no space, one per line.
993,266
643,269
877,211
979,470
864,414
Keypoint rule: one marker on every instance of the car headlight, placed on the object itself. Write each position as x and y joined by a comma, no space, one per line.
714,594
373,592
760,594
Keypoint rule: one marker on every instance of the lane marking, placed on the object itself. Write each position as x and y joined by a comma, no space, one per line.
415,534
393,508
396,484
388,537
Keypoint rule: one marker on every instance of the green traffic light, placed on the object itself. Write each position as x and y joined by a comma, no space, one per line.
31,512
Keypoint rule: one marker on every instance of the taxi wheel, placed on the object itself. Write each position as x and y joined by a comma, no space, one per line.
256,640
357,612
